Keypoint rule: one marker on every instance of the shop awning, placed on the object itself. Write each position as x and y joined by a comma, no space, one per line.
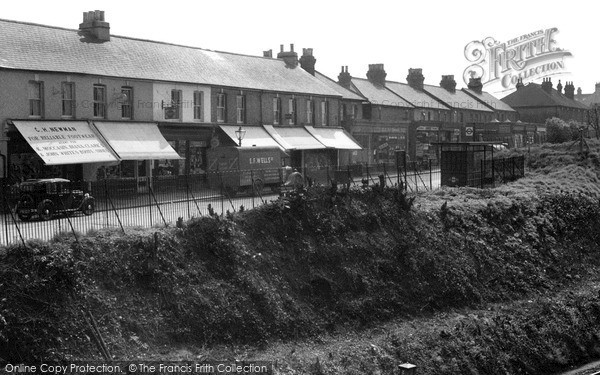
136,141
336,138
65,142
255,136
294,138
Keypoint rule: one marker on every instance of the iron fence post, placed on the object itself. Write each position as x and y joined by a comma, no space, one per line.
187,196
430,177
482,174
149,200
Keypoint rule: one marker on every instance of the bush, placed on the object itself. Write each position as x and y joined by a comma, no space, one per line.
558,131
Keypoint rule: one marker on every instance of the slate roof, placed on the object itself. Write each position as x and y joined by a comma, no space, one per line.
33,47
415,97
490,100
457,99
379,95
533,95
344,92
591,99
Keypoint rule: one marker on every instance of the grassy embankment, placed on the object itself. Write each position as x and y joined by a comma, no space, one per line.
321,263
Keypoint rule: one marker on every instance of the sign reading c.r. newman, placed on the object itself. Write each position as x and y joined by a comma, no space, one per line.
64,142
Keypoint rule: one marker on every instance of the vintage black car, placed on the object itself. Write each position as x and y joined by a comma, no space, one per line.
51,196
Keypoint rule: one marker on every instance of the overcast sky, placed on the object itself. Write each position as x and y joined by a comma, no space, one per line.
431,35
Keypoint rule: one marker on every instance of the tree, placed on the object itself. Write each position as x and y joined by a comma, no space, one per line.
593,119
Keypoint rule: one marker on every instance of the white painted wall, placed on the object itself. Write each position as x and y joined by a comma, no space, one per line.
162,92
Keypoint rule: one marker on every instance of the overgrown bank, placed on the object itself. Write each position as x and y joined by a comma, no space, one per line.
298,268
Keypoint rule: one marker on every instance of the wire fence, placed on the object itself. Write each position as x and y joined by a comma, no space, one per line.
58,208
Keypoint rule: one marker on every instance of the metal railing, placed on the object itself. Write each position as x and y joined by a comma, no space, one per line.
127,203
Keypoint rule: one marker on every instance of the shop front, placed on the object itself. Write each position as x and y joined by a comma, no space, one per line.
87,151
46,149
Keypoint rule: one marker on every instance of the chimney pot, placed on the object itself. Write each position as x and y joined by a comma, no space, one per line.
292,47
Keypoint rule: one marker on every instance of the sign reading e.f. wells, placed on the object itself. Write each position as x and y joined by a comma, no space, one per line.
526,58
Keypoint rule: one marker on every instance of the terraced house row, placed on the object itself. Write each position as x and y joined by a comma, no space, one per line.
85,104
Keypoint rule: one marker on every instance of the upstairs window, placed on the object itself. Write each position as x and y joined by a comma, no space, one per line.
99,101
241,109
198,105
366,111
36,99
324,113
310,111
276,111
292,111
221,107
127,103
68,99
173,110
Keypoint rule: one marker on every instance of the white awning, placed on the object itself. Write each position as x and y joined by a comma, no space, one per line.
136,141
336,138
65,142
255,136
294,138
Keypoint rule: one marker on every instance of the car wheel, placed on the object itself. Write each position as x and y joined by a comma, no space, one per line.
231,191
24,217
88,207
46,210
25,203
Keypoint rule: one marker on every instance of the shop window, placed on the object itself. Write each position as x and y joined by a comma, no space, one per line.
36,99
197,157
68,99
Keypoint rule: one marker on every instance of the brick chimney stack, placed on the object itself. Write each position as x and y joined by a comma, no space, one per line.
475,85
376,74
519,84
308,61
448,83
570,90
268,53
290,57
344,78
547,85
415,78
94,25
597,87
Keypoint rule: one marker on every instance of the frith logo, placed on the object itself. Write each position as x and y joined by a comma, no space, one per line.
528,57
